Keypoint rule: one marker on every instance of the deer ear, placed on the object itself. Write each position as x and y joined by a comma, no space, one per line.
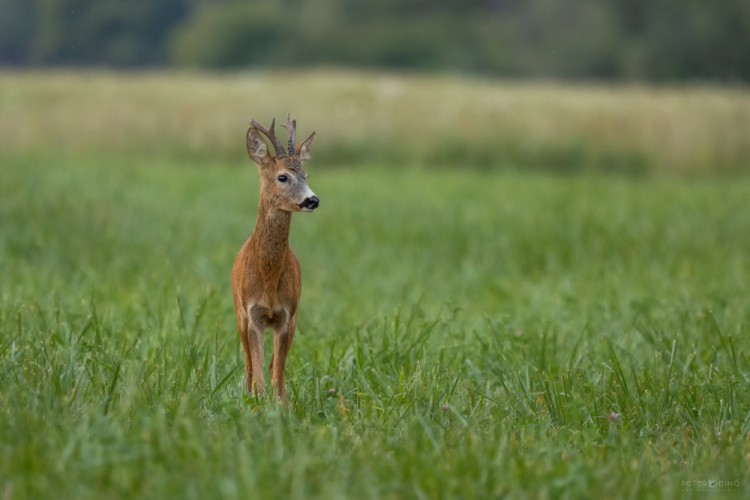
303,150
257,149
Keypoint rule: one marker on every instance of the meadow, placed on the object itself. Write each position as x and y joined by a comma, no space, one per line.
509,290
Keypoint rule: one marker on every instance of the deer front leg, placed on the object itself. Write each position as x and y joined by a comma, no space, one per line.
255,342
282,341
243,327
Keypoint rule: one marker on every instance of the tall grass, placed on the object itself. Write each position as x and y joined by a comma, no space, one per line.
375,119
462,334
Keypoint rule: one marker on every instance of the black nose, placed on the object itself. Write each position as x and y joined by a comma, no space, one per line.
311,203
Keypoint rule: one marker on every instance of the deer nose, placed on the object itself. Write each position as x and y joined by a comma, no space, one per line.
312,202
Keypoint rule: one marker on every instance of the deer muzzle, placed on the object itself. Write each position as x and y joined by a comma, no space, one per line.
310,203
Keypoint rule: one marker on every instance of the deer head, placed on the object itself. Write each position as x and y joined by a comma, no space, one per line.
283,181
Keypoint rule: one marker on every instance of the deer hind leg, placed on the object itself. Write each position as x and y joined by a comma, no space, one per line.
282,341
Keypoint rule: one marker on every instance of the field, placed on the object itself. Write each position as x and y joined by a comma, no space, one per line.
567,319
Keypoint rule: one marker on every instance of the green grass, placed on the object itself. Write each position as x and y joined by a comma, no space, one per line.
462,334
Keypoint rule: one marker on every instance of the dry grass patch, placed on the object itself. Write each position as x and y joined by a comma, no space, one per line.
369,118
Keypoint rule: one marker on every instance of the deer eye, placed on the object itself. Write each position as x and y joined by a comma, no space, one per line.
282,178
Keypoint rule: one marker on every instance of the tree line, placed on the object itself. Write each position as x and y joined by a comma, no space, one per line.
656,40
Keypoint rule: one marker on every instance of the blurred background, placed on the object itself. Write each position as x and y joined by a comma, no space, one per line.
659,40
584,85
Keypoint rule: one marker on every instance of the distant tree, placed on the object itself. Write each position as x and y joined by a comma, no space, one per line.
109,32
230,35
17,30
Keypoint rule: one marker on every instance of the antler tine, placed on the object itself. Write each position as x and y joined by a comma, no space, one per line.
291,126
271,135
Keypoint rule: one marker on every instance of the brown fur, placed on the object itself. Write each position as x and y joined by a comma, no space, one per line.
266,277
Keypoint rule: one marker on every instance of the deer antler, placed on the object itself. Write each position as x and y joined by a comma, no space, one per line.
291,127
271,135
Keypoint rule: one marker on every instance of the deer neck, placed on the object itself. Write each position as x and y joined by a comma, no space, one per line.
271,240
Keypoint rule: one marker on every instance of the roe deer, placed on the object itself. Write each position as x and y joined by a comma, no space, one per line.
266,277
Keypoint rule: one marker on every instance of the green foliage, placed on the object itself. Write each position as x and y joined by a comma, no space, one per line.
662,40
